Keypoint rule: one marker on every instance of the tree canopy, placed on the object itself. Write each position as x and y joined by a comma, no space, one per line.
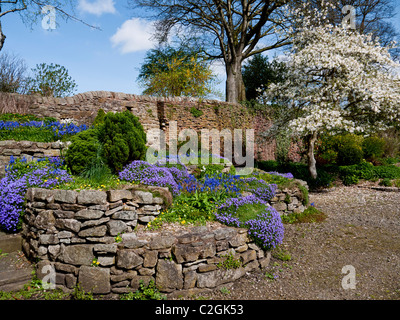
176,72
337,80
51,80
258,72
228,30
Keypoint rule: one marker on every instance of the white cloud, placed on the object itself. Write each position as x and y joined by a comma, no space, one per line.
134,35
97,7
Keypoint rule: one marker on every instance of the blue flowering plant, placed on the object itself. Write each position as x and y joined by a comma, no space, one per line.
263,222
40,131
142,172
21,175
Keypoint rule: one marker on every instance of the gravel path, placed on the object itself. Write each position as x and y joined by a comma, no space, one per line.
362,230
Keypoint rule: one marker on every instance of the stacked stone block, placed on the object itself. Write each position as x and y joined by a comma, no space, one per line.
289,200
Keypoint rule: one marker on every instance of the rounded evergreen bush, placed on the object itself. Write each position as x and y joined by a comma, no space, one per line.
123,139
82,151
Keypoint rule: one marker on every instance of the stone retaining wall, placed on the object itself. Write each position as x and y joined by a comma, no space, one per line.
27,149
71,230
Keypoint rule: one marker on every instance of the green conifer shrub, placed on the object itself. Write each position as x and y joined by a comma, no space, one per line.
123,139
83,150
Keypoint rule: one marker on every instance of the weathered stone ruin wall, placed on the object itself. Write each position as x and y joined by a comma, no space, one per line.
68,230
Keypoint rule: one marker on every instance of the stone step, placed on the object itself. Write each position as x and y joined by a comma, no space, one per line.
10,242
15,271
15,280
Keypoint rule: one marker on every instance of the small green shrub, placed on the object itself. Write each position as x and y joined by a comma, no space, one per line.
196,112
82,151
281,254
99,118
80,294
396,183
373,148
341,149
350,180
149,292
230,262
349,150
390,172
310,215
366,171
386,182
123,139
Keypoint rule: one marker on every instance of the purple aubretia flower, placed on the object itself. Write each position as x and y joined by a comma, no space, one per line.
266,228
13,187
284,175
12,197
148,174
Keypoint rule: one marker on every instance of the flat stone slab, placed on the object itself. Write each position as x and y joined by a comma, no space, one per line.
15,271
10,242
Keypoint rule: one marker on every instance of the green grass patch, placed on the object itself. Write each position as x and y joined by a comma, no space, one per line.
309,215
281,254
248,212
81,183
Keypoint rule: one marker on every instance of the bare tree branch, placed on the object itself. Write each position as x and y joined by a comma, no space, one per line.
228,29
32,8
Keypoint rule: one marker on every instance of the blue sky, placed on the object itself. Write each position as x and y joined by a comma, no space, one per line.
97,60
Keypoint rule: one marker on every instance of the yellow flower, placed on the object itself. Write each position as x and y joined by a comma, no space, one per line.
183,221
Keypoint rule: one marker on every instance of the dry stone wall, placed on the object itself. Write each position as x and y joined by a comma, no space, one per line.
290,200
156,113
75,234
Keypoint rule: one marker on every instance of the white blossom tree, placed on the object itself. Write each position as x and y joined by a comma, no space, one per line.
338,80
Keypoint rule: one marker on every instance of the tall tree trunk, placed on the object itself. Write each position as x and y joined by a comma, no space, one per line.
241,88
312,163
231,85
235,90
